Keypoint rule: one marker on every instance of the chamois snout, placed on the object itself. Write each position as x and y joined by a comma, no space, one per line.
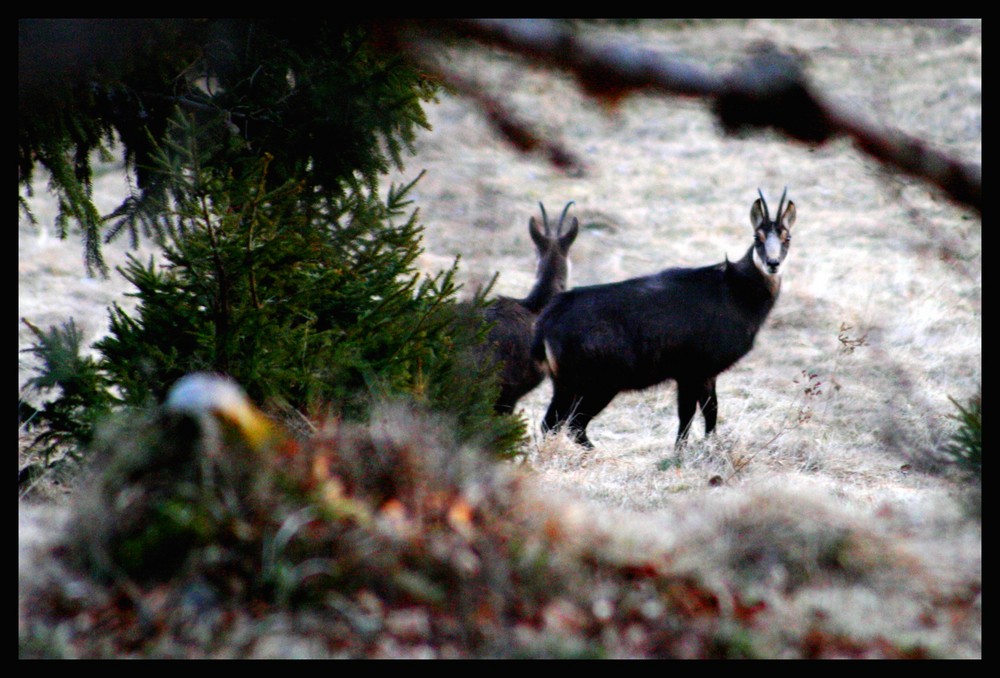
768,256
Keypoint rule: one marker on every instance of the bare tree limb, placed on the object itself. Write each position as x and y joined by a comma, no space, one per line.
768,90
517,132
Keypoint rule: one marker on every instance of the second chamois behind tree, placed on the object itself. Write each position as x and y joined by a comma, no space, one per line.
513,320
685,324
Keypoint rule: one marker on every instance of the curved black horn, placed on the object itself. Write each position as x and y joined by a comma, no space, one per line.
782,203
545,218
767,215
563,216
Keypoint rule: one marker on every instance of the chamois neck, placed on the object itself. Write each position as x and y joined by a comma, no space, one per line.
551,280
747,269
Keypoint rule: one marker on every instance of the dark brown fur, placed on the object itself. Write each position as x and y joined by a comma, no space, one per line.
514,319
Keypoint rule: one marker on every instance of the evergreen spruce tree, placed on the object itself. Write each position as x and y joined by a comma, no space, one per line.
282,265
331,111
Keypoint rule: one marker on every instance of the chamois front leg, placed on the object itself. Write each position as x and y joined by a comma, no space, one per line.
692,393
709,406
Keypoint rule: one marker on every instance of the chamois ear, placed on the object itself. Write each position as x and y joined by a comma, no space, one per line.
567,238
758,213
788,217
535,230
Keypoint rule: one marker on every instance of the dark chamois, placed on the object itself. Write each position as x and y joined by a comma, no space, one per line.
514,319
685,324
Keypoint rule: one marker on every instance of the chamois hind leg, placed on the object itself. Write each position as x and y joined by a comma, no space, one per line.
560,409
709,405
576,410
587,406
690,394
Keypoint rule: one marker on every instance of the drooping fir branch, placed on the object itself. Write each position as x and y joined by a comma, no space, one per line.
333,112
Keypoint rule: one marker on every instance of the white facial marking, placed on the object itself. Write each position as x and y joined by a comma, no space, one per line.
763,267
772,245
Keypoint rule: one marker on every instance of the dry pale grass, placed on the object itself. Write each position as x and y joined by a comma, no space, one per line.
881,297
827,500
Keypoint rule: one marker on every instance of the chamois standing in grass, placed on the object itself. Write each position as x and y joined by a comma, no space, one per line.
685,324
514,319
